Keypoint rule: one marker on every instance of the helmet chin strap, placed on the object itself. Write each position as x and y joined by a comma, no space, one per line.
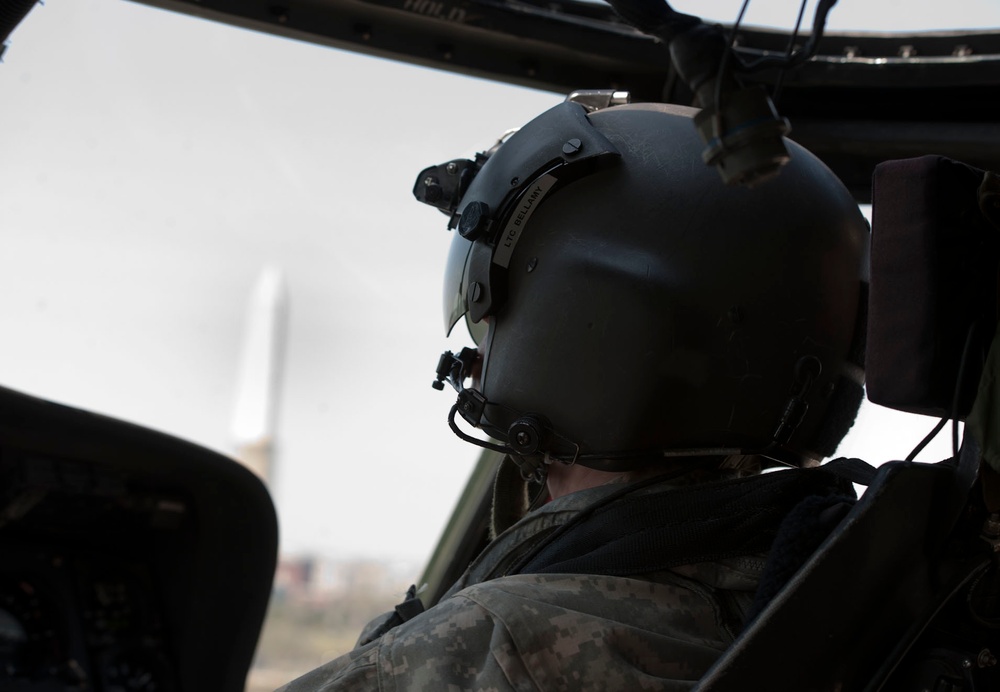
533,468
533,443
525,434
534,460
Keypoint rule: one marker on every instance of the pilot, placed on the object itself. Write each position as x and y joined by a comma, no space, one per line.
648,340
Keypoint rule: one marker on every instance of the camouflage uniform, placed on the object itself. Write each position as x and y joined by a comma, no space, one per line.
555,631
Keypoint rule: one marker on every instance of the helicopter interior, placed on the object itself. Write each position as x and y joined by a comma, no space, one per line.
121,545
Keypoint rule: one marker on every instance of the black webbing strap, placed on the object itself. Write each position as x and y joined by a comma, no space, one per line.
689,524
410,608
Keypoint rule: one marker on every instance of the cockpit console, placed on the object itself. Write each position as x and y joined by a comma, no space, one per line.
129,560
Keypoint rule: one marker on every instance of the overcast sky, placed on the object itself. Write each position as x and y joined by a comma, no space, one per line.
154,164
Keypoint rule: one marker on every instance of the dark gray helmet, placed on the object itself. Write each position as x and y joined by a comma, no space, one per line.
638,308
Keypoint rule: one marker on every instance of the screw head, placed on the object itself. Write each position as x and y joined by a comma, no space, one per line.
532,263
475,291
525,435
572,147
452,168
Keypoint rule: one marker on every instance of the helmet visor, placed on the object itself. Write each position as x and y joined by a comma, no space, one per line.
456,287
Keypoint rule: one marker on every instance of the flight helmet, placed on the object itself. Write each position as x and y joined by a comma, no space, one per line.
630,307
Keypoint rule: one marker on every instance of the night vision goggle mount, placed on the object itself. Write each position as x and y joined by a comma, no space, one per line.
558,138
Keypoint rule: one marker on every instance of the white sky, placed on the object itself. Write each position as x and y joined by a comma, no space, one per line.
153,164
855,15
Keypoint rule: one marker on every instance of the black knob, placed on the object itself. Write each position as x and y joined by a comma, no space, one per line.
474,220
525,435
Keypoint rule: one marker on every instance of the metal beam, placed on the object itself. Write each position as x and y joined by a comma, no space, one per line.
865,98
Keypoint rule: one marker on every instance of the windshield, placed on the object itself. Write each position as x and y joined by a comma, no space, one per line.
149,189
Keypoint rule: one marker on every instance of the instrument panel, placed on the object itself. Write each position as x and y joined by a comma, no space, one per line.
80,606
70,622
130,561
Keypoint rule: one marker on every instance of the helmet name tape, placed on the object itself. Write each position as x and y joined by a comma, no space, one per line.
525,208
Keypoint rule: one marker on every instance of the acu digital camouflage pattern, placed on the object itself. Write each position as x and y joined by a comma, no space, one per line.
555,631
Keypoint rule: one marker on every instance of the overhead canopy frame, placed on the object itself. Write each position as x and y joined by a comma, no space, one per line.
863,99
